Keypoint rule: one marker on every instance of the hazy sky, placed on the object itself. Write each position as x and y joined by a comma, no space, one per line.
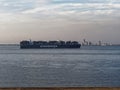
59,20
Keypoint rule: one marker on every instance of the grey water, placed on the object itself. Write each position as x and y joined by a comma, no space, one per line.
89,66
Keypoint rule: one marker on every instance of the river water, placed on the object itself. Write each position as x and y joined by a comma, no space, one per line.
89,66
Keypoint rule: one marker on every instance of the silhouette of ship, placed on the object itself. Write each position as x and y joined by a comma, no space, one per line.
49,44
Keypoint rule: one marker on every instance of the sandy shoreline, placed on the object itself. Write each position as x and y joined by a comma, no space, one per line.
63,88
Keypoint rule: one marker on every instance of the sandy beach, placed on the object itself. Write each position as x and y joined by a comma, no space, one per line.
62,88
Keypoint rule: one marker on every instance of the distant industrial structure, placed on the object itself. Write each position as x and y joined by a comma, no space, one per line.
99,43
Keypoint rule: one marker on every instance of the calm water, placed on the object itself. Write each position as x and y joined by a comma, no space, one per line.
88,66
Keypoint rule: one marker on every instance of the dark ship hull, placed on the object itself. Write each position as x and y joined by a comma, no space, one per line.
45,47
50,44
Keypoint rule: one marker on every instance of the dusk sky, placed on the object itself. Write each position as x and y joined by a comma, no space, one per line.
60,20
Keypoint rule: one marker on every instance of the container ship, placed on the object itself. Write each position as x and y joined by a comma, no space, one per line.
48,44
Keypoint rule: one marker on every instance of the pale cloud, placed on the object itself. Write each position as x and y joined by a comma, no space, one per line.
71,9
16,6
77,10
59,19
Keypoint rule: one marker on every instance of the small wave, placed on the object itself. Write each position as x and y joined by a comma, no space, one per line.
64,53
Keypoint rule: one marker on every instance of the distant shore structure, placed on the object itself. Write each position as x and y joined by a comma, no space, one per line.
48,44
99,43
